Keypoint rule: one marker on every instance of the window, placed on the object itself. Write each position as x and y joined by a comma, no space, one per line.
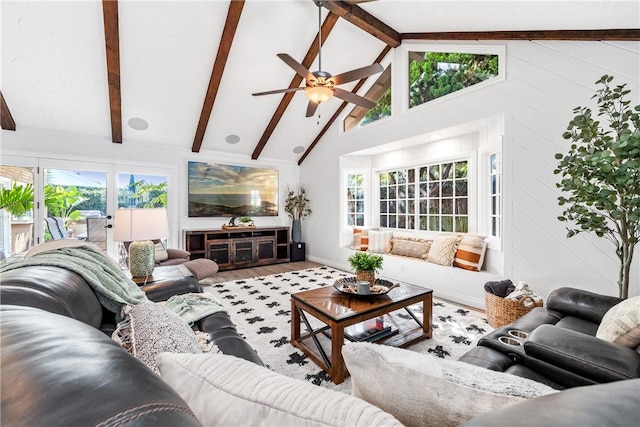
435,195
380,92
444,197
355,200
397,204
436,74
495,193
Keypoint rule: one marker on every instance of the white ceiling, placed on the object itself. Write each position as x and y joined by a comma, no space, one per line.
54,74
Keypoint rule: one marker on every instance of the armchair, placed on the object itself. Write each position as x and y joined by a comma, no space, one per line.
557,344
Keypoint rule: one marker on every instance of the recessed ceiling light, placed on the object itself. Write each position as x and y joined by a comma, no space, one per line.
232,139
137,123
299,149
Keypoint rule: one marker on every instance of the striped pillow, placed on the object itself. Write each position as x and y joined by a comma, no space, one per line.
470,252
380,241
360,239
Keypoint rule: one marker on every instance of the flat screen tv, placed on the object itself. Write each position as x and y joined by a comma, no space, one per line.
226,190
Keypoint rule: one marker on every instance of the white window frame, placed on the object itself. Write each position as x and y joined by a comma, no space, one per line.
400,78
484,199
472,193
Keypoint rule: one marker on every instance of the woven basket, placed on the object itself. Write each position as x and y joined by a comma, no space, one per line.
367,276
502,311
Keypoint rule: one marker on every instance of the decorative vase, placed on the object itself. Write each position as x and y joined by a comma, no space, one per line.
366,275
296,231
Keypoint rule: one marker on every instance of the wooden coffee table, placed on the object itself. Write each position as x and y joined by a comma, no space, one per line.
337,310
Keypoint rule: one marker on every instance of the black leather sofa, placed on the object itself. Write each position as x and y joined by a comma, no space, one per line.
558,346
60,366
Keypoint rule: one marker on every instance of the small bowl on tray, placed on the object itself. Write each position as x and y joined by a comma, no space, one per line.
349,286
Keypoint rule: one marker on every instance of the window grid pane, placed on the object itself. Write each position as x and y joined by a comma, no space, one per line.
355,200
495,176
430,197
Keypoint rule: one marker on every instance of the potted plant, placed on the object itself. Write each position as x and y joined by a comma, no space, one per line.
246,221
599,174
365,265
297,206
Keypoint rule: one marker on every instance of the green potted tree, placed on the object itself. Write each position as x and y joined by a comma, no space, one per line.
600,175
297,205
366,265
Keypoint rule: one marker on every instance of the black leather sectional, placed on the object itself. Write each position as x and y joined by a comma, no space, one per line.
60,366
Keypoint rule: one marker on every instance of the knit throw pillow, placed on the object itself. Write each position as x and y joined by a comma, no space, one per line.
621,323
148,329
443,250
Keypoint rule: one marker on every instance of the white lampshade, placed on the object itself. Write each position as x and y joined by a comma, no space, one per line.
140,224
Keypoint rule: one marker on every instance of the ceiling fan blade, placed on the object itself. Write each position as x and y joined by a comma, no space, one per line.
357,74
353,98
311,108
271,92
298,67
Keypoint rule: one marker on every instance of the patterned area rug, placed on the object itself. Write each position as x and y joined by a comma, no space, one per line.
261,309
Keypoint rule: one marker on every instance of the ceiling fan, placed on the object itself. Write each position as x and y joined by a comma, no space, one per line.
321,85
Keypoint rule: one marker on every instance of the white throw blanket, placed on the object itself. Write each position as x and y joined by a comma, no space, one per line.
523,290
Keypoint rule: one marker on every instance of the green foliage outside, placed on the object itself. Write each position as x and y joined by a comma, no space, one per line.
17,200
62,202
365,261
442,73
380,111
600,174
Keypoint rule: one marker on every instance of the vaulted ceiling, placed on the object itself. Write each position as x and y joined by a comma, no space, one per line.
188,68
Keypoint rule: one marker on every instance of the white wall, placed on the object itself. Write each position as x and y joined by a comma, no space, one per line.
544,82
50,145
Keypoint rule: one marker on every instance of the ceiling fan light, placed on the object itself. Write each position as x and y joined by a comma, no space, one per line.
318,94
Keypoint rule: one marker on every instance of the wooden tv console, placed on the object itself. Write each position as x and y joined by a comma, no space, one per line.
239,247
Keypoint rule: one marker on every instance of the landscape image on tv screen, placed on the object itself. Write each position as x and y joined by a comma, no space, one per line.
226,190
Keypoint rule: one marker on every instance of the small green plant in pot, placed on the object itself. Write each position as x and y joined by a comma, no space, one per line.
246,221
366,265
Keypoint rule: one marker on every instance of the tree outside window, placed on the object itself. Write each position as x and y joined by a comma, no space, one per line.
435,74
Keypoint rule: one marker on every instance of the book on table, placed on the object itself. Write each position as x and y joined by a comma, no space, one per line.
369,330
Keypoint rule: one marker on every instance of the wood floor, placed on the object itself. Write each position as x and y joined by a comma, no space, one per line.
246,273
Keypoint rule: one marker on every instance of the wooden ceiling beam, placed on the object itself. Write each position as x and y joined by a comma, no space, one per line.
327,26
112,43
577,35
365,21
224,48
342,106
5,115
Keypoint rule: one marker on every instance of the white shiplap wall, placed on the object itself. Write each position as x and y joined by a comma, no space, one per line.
544,82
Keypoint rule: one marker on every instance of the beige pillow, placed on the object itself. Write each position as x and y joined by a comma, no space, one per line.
443,250
470,252
161,253
423,390
621,323
380,241
415,248
229,391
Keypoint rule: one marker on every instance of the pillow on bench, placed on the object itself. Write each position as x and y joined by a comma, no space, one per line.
470,252
410,247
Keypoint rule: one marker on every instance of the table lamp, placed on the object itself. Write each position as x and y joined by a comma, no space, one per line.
140,226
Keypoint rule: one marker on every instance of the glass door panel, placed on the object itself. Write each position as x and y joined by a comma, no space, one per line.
16,209
72,199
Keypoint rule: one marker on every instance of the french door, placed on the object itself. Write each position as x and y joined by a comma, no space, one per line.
73,199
